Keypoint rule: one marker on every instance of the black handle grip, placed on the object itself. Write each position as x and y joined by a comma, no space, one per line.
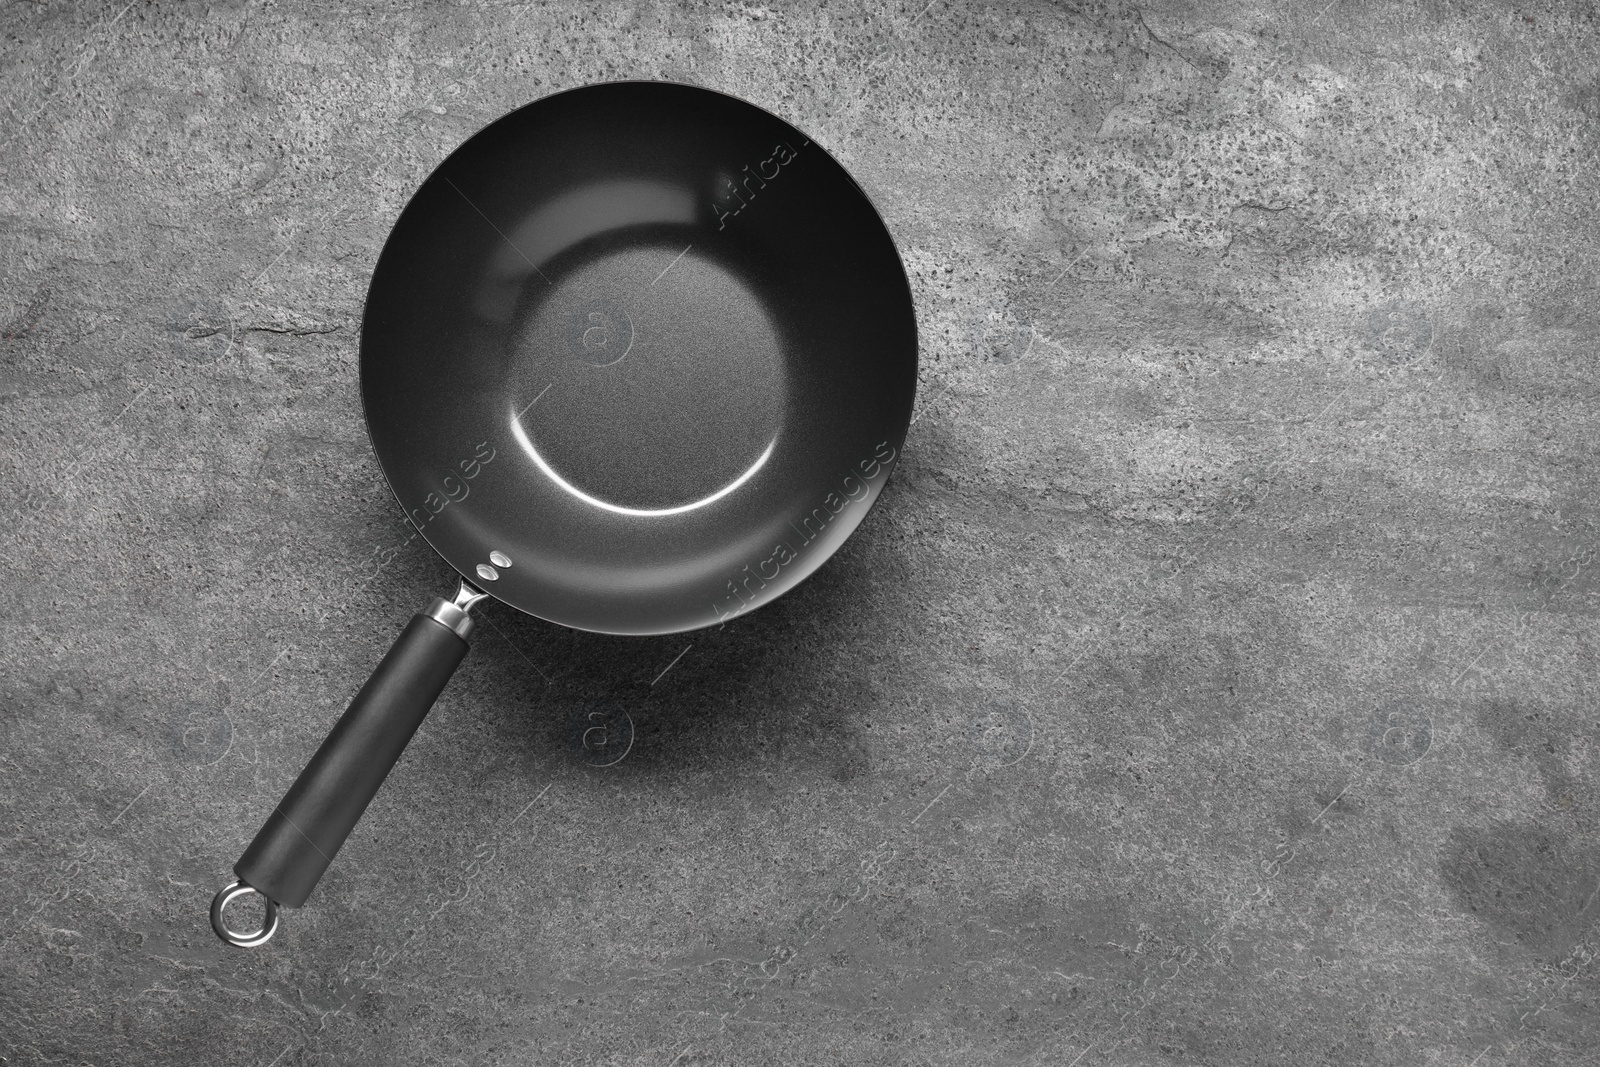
302,835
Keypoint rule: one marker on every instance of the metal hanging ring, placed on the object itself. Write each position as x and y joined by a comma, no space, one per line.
231,892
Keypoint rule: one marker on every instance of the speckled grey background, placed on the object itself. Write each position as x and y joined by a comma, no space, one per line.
1215,683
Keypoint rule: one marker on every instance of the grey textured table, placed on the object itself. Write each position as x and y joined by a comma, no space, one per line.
1214,684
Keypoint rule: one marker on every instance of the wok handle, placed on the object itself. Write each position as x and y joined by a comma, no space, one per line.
302,835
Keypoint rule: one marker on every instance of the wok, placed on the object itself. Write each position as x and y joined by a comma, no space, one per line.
636,359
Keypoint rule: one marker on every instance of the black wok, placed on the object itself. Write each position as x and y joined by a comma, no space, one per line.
636,358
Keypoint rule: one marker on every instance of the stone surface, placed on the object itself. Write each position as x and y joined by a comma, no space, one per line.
1214,684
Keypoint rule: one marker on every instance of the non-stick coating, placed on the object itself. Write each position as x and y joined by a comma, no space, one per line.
646,342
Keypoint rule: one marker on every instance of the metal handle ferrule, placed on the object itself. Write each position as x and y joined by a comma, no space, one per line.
454,613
